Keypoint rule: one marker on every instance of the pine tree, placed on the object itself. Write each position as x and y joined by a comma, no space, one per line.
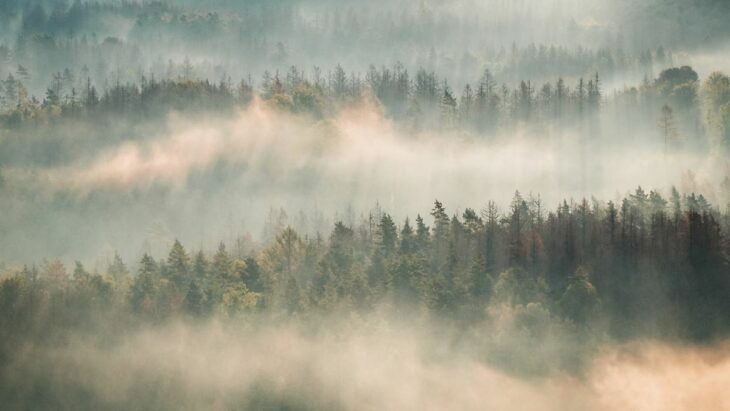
252,276
200,267
407,239
423,234
194,299
448,108
222,267
142,293
293,296
668,126
117,269
387,235
11,92
178,265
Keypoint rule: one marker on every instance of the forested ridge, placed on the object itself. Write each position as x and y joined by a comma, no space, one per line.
677,105
645,267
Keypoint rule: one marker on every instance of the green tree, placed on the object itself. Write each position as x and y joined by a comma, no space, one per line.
142,296
517,286
194,299
117,269
580,299
387,235
448,108
178,265
441,230
252,276
407,239
222,267
423,234
716,97
668,126
200,267
308,99
293,296
482,281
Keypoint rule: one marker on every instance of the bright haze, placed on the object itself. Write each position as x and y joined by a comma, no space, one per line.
320,204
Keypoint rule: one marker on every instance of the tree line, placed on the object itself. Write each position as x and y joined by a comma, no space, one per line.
676,104
647,266
65,33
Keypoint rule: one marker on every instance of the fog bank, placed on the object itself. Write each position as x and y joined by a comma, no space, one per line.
365,365
196,178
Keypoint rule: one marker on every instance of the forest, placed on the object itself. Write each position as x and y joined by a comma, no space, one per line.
326,205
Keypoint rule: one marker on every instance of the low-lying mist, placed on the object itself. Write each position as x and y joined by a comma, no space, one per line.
358,364
204,178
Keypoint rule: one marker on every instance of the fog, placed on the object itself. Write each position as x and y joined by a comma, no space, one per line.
456,38
364,205
218,177
389,365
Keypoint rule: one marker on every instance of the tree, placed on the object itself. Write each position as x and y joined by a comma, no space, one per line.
200,267
237,299
482,281
338,83
448,108
580,299
594,92
724,125
252,276
90,98
407,239
341,248
668,126
423,234
55,273
441,221
678,86
580,96
716,97
387,235
178,265
467,105
517,286
194,299
518,221
117,269
52,99
11,92
525,97
561,95
222,267
308,99
80,272
187,72
23,73
293,296
441,236
289,247
143,291
244,92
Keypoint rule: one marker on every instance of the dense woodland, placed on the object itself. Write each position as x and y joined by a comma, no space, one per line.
448,70
587,263
677,104
124,37
647,267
